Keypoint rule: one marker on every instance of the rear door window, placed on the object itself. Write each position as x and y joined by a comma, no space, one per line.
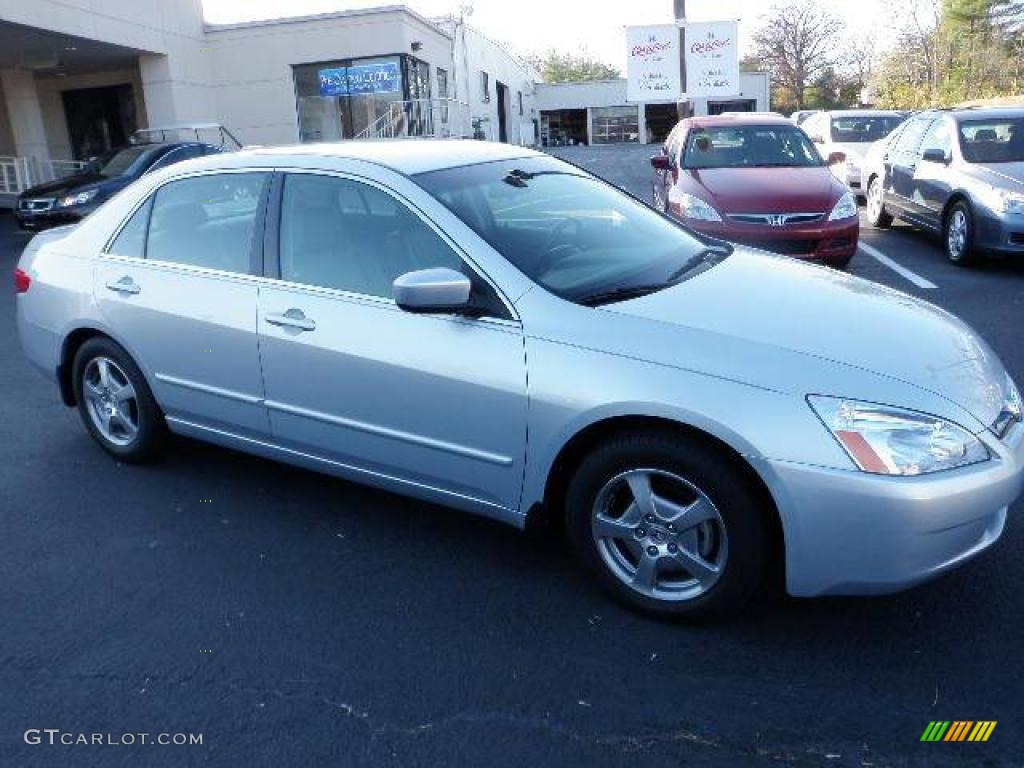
207,221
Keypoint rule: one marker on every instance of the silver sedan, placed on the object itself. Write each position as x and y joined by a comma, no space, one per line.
489,328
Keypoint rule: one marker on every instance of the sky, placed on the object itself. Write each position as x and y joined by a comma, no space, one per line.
528,26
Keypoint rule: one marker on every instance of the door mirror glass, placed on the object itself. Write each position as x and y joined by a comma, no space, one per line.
934,156
432,290
661,162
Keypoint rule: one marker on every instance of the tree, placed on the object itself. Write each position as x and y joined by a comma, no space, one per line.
952,51
555,67
798,45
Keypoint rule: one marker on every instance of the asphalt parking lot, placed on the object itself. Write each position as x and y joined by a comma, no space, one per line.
293,619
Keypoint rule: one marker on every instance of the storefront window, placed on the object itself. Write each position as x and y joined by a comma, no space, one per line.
614,125
341,99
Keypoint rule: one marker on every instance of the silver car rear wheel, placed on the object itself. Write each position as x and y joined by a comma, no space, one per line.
660,535
115,402
111,401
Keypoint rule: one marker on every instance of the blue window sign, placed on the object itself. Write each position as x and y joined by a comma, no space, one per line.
384,77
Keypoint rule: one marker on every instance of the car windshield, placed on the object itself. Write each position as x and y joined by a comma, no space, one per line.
860,129
571,233
997,140
122,161
749,146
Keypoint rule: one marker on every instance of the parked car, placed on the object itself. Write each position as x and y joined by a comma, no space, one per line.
851,131
487,327
959,174
798,117
756,180
70,199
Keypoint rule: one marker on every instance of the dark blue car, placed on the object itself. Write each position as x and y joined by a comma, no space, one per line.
70,199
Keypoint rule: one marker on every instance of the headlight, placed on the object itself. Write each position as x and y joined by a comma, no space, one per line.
1003,201
692,207
79,199
892,441
846,208
1013,410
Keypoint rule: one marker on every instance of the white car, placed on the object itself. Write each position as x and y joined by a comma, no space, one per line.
850,131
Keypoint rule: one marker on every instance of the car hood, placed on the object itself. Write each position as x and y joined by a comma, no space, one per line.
1003,175
64,186
762,190
766,303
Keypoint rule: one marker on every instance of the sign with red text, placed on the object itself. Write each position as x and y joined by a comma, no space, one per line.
712,59
653,63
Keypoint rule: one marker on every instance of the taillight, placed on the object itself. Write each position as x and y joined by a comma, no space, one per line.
21,281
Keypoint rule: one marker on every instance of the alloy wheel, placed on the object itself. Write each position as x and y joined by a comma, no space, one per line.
660,534
956,234
111,401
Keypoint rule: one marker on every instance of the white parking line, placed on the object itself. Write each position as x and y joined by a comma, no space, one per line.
902,271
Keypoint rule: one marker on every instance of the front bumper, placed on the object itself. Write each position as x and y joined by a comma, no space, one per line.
848,532
828,242
1001,233
54,217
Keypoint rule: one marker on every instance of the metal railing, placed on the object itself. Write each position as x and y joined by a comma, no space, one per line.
420,118
20,173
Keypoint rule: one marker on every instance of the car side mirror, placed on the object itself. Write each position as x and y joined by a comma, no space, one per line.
661,162
432,290
934,156
836,158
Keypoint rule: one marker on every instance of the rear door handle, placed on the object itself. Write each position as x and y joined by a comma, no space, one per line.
292,318
124,285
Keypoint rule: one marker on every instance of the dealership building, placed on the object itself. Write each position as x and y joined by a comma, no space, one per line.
79,76
597,112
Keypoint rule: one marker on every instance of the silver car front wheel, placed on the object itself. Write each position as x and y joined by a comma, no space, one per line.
670,523
660,535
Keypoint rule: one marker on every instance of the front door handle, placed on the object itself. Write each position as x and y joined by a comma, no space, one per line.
292,318
124,285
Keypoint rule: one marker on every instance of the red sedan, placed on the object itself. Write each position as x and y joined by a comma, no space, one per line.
757,180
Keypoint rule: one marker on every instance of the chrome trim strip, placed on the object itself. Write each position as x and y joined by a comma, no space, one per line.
405,437
347,467
770,219
207,389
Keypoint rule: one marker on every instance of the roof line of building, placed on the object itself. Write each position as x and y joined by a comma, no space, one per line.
398,8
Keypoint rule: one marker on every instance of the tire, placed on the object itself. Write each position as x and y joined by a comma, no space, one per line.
875,205
639,558
958,234
115,402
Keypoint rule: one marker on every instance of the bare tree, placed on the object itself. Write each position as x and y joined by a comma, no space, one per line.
798,44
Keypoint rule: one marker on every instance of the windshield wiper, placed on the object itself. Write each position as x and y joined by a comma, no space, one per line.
621,294
699,261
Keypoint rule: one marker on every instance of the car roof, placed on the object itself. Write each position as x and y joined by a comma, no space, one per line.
409,156
864,112
713,121
986,113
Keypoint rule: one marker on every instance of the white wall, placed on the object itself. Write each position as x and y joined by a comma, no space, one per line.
476,53
252,63
168,34
611,93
